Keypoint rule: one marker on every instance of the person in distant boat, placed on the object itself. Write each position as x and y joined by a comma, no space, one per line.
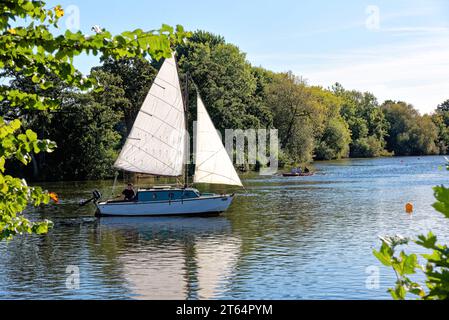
306,170
296,170
129,192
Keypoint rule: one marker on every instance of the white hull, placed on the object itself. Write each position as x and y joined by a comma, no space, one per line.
194,206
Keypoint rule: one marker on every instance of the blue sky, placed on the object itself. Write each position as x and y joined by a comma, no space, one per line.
395,49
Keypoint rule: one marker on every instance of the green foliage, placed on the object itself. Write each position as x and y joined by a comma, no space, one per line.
334,143
366,122
442,195
287,97
204,37
87,140
441,120
436,267
409,133
15,194
332,132
403,265
31,50
444,107
308,119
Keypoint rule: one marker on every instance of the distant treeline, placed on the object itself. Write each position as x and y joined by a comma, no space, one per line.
314,123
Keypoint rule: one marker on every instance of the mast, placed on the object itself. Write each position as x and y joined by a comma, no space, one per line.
187,143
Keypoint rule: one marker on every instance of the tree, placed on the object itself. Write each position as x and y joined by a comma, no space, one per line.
288,99
367,147
331,131
366,122
409,133
33,51
441,120
424,137
334,143
444,107
86,138
308,119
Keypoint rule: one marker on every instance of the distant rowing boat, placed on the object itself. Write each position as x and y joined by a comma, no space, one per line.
305,174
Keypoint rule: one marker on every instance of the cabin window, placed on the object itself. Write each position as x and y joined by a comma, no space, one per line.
190,194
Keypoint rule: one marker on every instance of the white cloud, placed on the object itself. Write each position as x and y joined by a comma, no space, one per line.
416,73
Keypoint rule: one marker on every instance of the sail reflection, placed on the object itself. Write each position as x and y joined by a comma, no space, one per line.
175,257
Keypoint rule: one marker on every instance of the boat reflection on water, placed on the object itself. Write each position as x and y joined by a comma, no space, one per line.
175,257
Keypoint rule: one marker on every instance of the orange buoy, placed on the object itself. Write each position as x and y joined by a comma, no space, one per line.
409,208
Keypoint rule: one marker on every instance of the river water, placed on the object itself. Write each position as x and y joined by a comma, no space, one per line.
284,238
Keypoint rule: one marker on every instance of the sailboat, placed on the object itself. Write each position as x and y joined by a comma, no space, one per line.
157,145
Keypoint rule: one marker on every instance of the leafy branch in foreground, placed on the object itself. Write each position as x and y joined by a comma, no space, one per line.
33,51
436,268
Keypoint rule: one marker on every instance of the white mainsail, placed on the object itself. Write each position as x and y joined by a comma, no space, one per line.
212,162
155,144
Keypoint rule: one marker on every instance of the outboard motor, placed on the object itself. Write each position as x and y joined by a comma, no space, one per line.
97,195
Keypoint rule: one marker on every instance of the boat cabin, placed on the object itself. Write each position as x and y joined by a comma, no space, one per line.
166,194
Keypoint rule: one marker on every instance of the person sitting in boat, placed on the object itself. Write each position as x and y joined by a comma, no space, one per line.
306,170
129,192
296,170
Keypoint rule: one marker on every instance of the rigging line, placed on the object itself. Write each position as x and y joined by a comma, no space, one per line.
194,84
115,183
